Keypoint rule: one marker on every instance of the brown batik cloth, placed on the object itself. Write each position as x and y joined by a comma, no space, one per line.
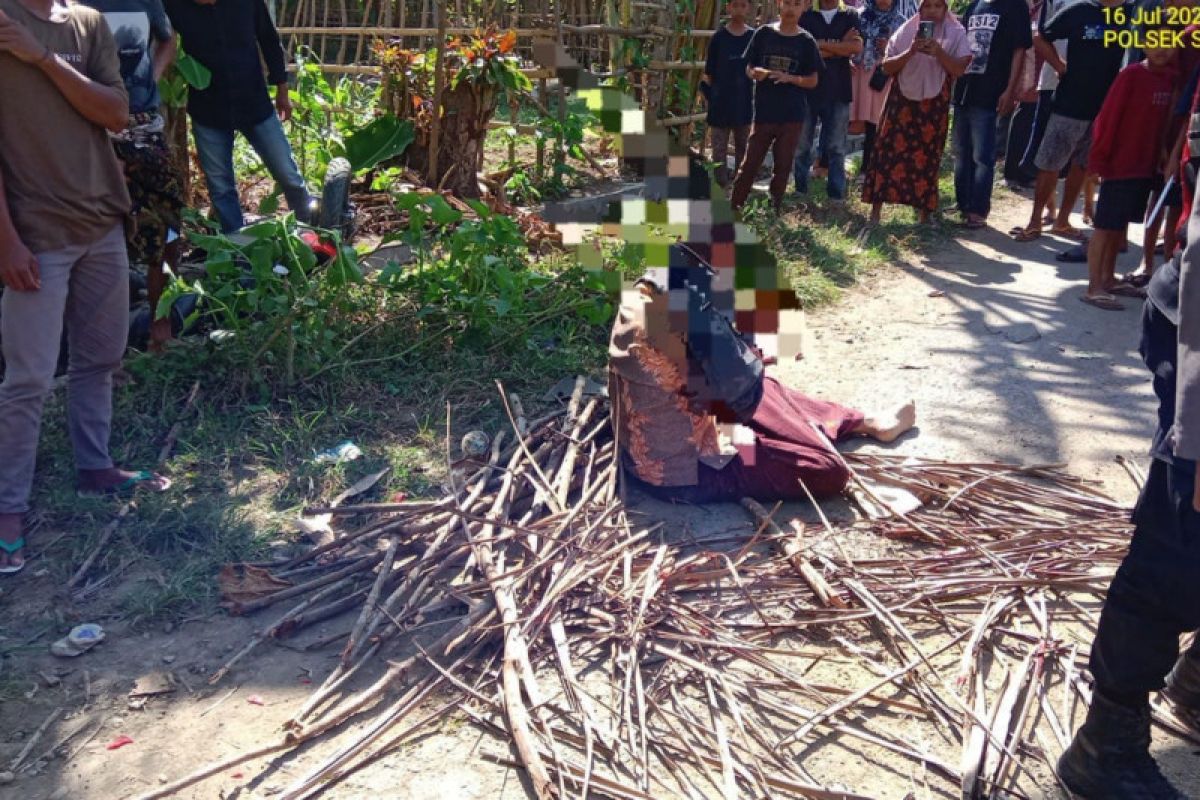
154,186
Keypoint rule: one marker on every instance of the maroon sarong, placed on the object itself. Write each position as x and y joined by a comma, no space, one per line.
787,450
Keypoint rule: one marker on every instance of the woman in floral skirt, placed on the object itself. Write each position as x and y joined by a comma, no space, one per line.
912,132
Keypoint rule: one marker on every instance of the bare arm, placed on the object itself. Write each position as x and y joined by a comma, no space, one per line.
18,267
1045,48
1009,98
106,106
164,56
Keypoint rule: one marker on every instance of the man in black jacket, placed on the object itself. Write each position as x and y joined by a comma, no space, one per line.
226,36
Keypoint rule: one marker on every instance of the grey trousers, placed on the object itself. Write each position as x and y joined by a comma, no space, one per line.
85,287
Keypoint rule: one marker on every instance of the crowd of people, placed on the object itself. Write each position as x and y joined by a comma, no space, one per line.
1074,102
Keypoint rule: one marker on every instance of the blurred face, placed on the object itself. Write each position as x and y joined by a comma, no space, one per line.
790,10
933,10
884,5
1160,56
738,9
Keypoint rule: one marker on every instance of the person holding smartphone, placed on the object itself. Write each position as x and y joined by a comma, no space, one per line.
783,60
924,56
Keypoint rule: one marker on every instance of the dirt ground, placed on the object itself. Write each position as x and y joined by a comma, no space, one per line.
988,336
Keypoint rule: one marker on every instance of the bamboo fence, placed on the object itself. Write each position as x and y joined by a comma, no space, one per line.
658,45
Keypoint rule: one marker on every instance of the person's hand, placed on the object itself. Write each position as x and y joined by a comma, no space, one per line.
283,103
19,267
780,77
1059,69
15,38
1006,103
759,73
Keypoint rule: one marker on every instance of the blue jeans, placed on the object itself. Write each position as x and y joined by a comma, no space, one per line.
215,149
974,158
834,119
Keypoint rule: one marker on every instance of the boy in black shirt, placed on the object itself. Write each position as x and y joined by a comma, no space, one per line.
836,30
783,61
727,88
999,34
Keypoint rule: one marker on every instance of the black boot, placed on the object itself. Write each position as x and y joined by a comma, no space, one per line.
1110,757
1183,684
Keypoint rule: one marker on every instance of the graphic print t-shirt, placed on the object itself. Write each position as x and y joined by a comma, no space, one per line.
795,55
996,29
135,24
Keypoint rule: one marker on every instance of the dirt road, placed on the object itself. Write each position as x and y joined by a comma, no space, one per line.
1004,360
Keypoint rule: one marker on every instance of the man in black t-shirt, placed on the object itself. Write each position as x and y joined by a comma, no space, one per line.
837,32
782,60
999,34
1084,79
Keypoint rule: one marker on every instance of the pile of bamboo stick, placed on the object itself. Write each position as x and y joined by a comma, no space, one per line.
622,660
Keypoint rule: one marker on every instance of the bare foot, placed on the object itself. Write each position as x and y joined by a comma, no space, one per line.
889,428
10,531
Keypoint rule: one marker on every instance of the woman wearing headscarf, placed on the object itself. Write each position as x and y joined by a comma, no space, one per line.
912,132
878,21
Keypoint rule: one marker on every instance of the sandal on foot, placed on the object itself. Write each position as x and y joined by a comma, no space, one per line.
1127,290
1103,301
11,548
1140,279
1074,234
150,481
1027,235
973,224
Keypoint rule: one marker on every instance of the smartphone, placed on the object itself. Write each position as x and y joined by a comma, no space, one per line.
925,29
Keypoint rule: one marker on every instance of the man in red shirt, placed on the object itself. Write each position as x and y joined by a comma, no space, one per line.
1126,153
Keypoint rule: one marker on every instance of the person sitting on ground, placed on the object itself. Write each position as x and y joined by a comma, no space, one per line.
727,89
62,246
1126,153
912,133
880,19
783,60
1084,79
227,36
697,418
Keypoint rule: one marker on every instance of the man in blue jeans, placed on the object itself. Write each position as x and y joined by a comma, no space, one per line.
837,31
227,36
999,34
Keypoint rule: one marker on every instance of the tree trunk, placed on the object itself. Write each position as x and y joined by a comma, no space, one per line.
465,116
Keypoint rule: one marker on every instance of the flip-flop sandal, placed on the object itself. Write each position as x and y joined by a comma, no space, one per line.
973,224
1074,234
142,479
1104,301
1127,290
1026,235
10,548
1072,255
1140,280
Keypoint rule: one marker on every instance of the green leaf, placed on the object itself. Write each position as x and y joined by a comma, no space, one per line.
270,203
480,208
196,74
443,213
384,138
